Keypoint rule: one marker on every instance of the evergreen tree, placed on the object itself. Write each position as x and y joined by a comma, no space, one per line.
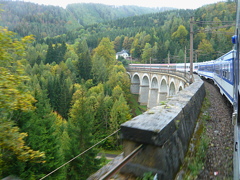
84,64
62,51
50,56
120,113
99,70
60,93
38,60
80,130
97,98
41,126
102,118
54,90
118,43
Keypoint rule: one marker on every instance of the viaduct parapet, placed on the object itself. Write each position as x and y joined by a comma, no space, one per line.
165,131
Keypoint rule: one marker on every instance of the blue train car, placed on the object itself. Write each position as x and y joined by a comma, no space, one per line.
223,74
206,69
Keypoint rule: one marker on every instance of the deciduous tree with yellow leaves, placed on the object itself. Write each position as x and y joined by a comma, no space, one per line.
14,95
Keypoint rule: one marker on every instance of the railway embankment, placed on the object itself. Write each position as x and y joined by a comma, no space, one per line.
210,153
219,132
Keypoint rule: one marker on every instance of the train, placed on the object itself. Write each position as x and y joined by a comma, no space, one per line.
168,67
220,71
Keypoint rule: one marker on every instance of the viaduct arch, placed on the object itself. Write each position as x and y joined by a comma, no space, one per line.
155,87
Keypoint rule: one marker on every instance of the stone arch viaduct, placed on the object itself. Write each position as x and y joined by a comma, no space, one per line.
153,87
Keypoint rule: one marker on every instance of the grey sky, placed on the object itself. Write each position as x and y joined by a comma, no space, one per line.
183,4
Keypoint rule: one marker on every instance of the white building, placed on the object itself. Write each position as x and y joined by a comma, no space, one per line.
123,54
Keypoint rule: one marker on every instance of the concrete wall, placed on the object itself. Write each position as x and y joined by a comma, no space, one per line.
165,132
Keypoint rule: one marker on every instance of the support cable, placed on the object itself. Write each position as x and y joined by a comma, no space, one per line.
79,154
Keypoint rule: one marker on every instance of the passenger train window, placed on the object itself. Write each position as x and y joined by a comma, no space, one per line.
226,71
217,71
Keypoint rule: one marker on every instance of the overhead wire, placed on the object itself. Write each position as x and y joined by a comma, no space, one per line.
79,155
210,29
214,22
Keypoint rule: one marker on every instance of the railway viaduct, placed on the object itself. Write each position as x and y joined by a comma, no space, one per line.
164,131
154,86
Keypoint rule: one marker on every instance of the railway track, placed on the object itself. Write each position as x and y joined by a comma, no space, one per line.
219,130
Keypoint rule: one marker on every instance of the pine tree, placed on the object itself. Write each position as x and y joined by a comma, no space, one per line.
60,93
84,63
120,113
38,60
99,70
118,44
62,51
43,134
80,130
50,56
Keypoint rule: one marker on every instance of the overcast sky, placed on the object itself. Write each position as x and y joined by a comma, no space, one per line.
182,4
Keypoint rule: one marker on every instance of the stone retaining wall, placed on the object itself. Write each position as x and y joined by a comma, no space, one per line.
165,131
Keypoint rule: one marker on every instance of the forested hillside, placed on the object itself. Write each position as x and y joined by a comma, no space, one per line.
88,13
64,102
158,34
27,18
61,94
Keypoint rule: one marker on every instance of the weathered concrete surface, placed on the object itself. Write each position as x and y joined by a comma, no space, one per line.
144,91
135,88
153,97
165,131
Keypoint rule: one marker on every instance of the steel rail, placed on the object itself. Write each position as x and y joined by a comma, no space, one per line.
113,171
